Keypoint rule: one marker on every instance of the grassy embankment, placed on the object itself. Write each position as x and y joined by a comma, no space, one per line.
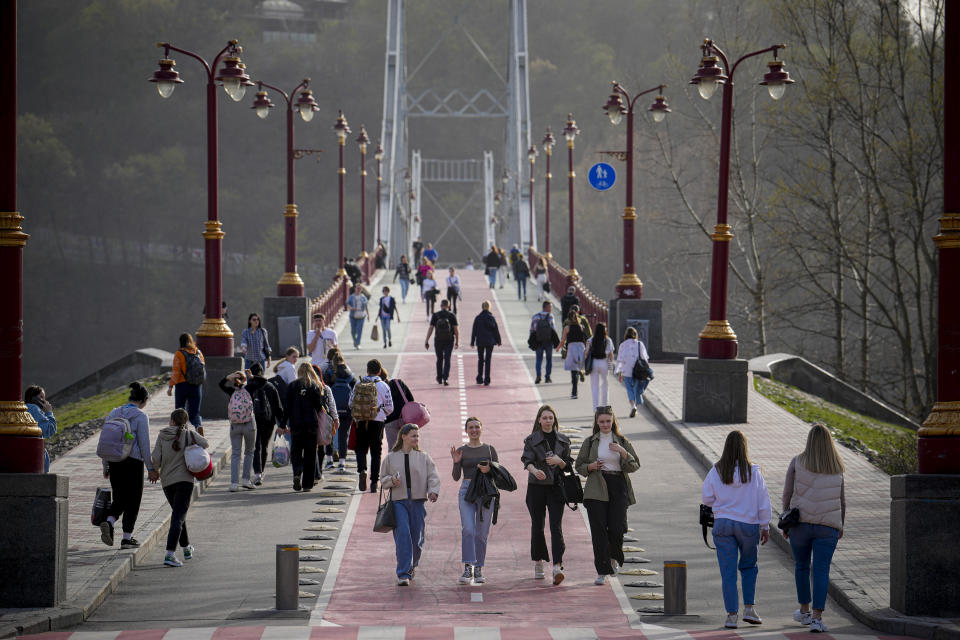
890,447
100,405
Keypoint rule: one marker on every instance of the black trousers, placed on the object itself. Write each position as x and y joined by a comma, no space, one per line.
178,495
574,379
444,352
126,482
484,355
452,296
303,456
608,522
543,498
262,444
369,438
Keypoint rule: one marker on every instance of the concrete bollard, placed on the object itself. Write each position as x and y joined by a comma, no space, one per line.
675,587
288,577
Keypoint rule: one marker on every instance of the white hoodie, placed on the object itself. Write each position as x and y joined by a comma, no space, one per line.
748,503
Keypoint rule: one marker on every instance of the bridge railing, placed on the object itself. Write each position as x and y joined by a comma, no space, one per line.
332,302
590,304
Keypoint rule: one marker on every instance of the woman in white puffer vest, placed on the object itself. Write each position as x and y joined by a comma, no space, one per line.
814,485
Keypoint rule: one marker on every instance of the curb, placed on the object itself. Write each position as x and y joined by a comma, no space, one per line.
107,580
845,591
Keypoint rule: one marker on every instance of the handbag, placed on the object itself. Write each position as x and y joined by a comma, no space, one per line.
415,413
641,369
386,520
198,460
325,429
572,489
101,506
706,520
788,518
375,332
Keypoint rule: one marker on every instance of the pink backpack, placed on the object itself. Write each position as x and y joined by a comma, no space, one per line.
240,407
416,413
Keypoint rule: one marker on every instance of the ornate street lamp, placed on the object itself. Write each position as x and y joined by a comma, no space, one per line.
343,130
290,283
362,142
629,285
532,156
378,155
547,144
214,336
717,340
570,133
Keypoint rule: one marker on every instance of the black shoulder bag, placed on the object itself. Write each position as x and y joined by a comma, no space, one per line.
706,520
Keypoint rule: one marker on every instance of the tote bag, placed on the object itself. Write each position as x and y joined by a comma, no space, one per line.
386,520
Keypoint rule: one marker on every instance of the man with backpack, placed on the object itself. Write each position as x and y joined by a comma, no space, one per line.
447,339
370,404
267,413
543,338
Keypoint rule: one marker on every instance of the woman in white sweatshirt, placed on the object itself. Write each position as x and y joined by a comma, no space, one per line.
735,490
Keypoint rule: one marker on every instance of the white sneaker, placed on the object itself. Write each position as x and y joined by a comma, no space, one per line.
248,485
600,580
258,479
188,552
817,626
234,487
615,566
557,574
731,622
803,617
171,561
538,570
750,615
402,582
342,466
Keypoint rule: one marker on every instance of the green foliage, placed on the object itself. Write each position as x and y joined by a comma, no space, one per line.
100,405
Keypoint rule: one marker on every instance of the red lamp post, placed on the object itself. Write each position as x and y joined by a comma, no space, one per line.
362,142
378,155
532,156
570,133
547,143
290,283
21,441
629,285
214,336
717,340
343,130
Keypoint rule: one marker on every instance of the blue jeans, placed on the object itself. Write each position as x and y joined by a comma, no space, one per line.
408,536
821,541
733,539
248,363
188,396
387,336
474,528
404,285
635,388
492,277
356,330
521,288
548,350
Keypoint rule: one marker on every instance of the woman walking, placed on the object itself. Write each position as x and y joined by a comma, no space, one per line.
430,292
630,351
606,458
735,489
186,379
387,312
600,350
176,481
254,343
475,518
403,272
305,399
574,340
126,476
814,485
546,454
491,263
412,478
341,382
267,413
243,428
540,276
453,288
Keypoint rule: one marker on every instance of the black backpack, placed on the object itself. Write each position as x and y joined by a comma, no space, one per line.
193,370
444,331
262,410
543,332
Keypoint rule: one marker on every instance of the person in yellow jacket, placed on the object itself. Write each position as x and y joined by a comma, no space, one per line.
186,379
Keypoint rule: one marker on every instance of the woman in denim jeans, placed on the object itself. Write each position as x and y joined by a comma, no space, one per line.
474,519
814,485
735,490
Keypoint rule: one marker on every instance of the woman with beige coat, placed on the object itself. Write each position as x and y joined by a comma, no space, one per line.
814,485
412,478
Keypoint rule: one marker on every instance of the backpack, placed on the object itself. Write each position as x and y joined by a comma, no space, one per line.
341,393
522,269
364,405
543,331
444,331
240,407
262,410
193,370
116,439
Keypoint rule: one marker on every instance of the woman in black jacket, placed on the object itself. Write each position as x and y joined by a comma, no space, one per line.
268,413
401,395
305,398
546,454
486,335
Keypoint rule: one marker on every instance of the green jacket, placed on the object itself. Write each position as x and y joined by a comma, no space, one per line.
596,488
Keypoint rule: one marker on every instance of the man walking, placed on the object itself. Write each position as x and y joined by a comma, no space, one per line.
431,254
568,300
446,340
485,335
320,339
543,338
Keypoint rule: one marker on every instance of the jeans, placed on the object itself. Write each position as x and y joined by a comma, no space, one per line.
262,445
408,536
608,523
244,434
820,541
540,499
247,363
547,349
369,438
484,356
521,288
733,539
404,286
356,329
303,456
598,384
492,276
444,352
126,484
188,396
387,336
474,528
178,495
635,388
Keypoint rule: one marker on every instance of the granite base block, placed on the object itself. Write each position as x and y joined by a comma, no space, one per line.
627,311
715,391
282,307
214,404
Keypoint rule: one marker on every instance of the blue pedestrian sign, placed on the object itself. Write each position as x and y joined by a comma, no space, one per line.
602,176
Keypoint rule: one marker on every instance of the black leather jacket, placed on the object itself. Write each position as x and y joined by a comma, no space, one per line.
535,453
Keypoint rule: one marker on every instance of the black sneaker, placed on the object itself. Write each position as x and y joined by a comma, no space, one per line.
362,482
296,483
547,380
446,384
129,543
106,533
537,381
373,486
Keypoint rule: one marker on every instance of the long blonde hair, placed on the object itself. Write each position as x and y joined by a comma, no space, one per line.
820,454
404,430
307,376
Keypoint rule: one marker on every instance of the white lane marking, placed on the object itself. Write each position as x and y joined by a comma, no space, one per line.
189,633
98,635
476,633
572,633
476,597
286,633
657,632
381,633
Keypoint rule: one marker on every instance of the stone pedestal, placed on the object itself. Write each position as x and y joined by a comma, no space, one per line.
277,307
214,405
924,560
33,539
643,314
715,390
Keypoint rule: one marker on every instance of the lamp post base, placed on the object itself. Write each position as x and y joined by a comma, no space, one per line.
629,287
21,453
718,341
215,338
573,276
290,285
